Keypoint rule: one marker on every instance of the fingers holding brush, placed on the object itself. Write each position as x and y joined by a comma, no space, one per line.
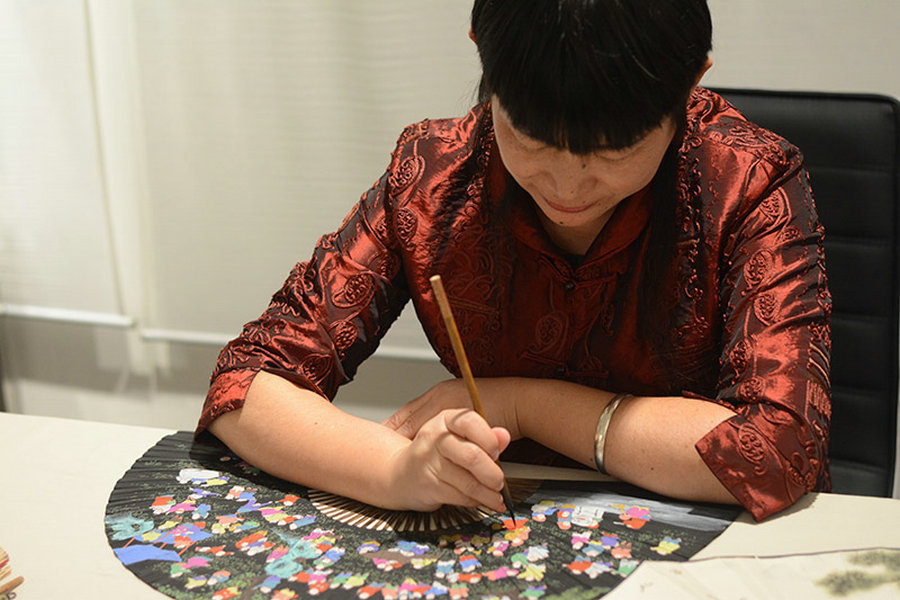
446,463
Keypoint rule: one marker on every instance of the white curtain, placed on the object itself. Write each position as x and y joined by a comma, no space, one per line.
55,245
165,163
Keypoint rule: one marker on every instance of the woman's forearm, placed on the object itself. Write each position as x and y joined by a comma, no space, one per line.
650,440
297,435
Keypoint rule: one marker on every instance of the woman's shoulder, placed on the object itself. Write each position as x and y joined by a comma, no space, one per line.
433,153
735,162
445,135
717,129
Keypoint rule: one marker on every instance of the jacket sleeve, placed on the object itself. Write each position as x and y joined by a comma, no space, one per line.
327,318
775,360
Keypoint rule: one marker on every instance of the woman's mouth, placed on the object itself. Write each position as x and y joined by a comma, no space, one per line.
567,209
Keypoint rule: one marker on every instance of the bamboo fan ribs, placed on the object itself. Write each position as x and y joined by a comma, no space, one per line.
364,516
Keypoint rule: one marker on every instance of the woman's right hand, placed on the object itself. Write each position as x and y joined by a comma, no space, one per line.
450,460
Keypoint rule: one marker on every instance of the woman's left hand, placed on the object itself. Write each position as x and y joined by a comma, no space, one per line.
497,397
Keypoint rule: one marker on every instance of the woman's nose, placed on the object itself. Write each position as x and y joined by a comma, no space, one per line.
572,185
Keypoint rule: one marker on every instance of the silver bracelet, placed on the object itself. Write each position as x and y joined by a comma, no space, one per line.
602,426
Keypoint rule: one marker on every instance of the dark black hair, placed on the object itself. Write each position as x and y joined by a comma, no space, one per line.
584,75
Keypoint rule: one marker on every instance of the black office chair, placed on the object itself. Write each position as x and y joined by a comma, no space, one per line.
851,144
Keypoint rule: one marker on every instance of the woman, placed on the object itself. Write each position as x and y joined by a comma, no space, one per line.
637,273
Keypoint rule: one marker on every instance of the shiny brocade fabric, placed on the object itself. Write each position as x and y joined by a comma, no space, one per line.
750,327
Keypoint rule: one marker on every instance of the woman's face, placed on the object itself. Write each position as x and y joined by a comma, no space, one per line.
576,193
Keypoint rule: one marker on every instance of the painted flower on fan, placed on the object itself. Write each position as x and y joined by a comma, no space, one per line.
128,526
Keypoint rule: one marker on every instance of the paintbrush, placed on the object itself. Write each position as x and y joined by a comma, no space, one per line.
466,371
11,585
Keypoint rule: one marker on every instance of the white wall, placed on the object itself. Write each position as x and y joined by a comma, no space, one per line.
810,45
164,163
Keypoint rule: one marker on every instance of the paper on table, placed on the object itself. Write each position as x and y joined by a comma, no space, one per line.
870,574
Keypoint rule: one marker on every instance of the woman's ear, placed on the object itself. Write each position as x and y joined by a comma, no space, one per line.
472,36
706,67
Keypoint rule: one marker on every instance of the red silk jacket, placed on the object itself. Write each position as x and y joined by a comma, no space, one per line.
750,327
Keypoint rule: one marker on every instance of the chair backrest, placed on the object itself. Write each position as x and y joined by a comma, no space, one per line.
851,144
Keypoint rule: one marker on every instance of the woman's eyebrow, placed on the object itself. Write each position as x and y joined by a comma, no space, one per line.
530,143
524,139
625,150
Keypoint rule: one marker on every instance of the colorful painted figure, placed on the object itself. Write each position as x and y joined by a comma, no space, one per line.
627,567
580,538
469,562
622,551
201,477
195,582
368,590
588,567
218,577
533,592
501,573
667,546
588,517
369,546
444,568
564,516
533,571
542,510
634,517
436,589
226,593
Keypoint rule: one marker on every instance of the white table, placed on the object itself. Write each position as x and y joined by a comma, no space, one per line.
56,476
